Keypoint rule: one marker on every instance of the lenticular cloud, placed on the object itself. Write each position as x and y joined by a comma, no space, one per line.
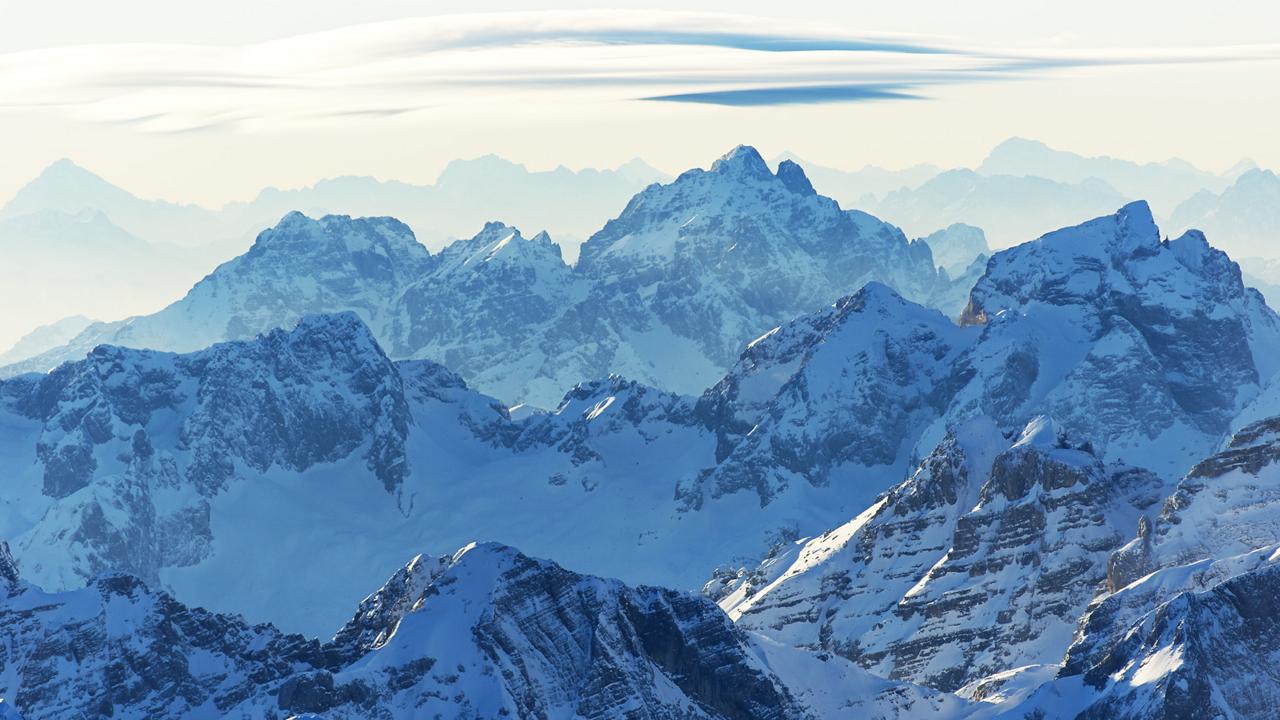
468,62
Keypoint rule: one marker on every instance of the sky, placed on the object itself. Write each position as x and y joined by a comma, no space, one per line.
209,102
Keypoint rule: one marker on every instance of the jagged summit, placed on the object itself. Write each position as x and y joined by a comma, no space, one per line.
792,175
499,243
1116,253
1105,310
299,234
339,329
1131,229
742,161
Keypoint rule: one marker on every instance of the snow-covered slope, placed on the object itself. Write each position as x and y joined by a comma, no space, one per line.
1188,625
175,467
1195,641
485,632
978,563
1225,506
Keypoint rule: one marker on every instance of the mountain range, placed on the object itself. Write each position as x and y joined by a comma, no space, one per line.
666,293
837,473
1020,191
455,636
121,236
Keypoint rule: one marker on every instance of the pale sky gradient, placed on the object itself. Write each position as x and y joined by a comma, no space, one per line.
208,102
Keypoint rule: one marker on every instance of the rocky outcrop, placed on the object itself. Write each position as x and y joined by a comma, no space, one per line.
979,563
486,632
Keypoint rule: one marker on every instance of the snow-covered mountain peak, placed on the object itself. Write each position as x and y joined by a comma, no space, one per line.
501,244
340,333
298,236
1114,265
1102,310
792,175
878,297
742,161
1085,251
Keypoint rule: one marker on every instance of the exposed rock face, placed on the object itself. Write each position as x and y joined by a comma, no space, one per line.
8,566
1189,620
136,653
484,308
133,444
487,632
722,250
978,563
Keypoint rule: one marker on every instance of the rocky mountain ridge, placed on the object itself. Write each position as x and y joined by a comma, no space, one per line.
666,293
484,632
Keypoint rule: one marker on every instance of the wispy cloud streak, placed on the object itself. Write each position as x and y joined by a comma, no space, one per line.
393,70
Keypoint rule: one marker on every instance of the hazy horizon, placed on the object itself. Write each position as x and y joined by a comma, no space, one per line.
251,192
196,105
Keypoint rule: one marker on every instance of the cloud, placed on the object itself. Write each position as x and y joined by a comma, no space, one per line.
549,60
793,95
